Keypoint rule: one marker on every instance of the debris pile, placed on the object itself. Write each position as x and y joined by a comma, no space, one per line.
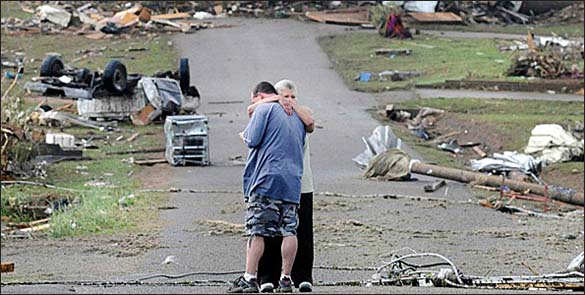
493,12
115,94
435,270
539,65
102,20
381,163
573,14
547,58
487,12
554,144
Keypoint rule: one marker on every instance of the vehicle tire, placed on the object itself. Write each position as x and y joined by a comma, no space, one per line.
83,76
184,76
115,77
52,66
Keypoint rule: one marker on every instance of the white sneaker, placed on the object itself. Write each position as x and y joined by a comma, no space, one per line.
267,288
305,287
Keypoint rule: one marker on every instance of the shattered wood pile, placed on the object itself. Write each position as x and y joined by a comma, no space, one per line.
573,14
351,16
539,65
547,58
488,12
101,20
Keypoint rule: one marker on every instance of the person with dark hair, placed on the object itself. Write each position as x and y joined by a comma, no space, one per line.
269,266
272,186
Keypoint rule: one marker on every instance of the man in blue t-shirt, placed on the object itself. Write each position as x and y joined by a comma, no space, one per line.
272,185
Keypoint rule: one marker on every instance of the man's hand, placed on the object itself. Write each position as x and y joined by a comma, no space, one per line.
241,136
287,104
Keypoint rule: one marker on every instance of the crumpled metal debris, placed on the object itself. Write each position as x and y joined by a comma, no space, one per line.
382,139
509,161
451,146
442,272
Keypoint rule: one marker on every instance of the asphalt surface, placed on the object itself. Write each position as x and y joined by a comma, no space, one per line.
360,232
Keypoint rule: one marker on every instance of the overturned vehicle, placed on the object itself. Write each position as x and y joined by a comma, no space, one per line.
115,94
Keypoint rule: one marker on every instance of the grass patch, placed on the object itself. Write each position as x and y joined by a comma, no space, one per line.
159,56
96,210
353,53
448,59
100,210
12,9
514,118
565,30
510,120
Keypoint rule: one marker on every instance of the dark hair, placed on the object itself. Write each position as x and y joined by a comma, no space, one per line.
264,87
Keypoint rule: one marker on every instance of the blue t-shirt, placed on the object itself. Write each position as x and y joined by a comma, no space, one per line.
275,159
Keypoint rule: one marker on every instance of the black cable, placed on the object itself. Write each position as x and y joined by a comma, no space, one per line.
189,274
425,265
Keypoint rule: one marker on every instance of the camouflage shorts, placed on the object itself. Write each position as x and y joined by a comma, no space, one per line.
270,218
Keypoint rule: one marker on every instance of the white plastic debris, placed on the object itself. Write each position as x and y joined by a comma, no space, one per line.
554,144
170,259
53,14
382,139
203,15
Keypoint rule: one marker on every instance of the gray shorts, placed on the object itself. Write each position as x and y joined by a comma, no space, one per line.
267,217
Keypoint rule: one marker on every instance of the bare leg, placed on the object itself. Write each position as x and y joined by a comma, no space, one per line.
253,254
289,251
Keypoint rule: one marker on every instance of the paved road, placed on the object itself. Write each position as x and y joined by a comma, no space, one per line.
466,93
225,65
484,35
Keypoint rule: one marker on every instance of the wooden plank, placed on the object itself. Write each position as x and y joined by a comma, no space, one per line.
170,16
31,229
142,151
479,151
354,17
436,17
149,162
390,51
7,266
429,188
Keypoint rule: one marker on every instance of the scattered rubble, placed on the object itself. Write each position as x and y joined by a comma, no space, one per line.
350,16
115,94
572,14
378,145
99,20
507,162
439,271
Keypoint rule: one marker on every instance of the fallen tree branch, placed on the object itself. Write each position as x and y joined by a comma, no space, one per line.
22,182
13,83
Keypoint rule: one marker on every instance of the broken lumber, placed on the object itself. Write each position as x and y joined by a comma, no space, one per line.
170,16
31,229
29,224
7,266
149,162
479,151
390,51
23,182
556,193
133,137
143,151
445,136
429,188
